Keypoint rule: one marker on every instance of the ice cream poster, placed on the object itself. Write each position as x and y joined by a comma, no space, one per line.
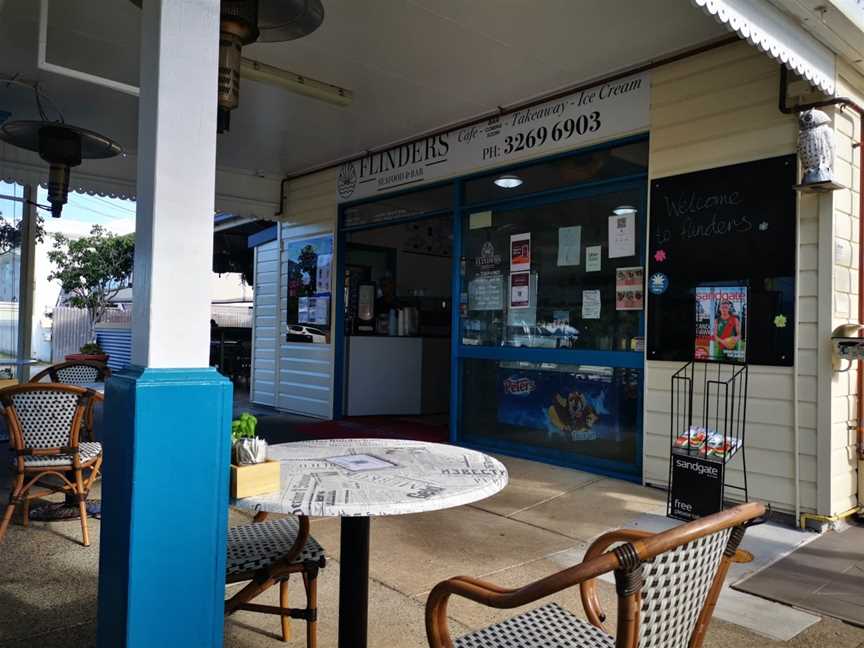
721,319
565,406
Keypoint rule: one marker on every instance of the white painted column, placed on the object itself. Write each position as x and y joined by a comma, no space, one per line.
176,183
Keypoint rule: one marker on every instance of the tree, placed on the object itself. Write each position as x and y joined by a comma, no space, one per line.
93,269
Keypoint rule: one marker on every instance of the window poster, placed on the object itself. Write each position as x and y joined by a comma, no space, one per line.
593,258
591,304
310,264
486,292
520,290
630,288
569,245
721,317
520,252
622,236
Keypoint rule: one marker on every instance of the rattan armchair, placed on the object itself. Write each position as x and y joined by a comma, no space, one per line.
77,372
667,585
44,427
266,553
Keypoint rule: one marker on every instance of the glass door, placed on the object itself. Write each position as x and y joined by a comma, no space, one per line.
551,328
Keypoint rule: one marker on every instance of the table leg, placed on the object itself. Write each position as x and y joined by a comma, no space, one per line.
354,582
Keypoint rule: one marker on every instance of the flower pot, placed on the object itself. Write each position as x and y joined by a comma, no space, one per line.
87,357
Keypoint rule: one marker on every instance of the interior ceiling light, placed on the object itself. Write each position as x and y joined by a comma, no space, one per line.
242,22
62,147
624,210
508,181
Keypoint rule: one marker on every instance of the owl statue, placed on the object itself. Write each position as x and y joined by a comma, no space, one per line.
816,146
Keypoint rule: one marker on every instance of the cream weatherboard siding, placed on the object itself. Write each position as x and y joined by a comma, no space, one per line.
265,321
846,290
716,109
292,377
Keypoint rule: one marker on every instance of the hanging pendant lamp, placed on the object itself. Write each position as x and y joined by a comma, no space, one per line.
242,22
62,147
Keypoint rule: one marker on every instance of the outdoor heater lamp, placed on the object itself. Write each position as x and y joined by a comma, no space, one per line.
242,22
62,147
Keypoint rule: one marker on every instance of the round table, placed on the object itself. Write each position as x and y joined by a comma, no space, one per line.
355,479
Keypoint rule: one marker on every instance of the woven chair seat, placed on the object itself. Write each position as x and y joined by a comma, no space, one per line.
258,545
87,452
544,627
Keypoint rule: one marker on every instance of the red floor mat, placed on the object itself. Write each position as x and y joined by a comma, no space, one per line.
377,427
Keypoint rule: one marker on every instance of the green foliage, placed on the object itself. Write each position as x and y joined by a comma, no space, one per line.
93,269
10,233
244,427
92,348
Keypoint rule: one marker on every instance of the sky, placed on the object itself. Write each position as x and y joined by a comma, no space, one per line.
83,211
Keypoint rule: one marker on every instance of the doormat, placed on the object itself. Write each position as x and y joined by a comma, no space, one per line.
825,576
378,427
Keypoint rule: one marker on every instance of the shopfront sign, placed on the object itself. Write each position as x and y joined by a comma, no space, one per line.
595,114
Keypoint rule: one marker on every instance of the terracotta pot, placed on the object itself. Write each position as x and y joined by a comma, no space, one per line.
89,357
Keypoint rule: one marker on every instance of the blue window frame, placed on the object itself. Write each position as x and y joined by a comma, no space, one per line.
583,371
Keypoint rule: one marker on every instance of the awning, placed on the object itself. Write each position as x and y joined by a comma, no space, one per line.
242,193
778,35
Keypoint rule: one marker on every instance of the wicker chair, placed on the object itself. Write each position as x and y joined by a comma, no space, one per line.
667,585
266,553
44,426
77,372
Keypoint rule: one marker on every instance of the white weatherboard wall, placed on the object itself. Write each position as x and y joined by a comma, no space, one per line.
716,109
299,377
847,129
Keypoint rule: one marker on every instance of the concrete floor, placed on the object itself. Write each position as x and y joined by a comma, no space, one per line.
541,523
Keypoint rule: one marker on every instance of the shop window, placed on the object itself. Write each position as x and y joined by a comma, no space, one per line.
572,413
590,166
573,288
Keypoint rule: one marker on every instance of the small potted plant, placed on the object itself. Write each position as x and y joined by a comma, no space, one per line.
251,472
90,352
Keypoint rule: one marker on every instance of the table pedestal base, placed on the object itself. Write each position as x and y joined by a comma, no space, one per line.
354,582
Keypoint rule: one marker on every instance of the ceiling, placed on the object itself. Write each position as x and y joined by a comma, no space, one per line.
413,65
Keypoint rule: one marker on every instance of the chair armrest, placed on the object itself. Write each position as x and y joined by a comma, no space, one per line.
492,595
588,588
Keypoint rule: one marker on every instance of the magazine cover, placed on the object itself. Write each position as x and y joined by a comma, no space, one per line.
721,317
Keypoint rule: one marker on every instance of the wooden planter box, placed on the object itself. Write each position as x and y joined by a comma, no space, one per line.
88,357
254,479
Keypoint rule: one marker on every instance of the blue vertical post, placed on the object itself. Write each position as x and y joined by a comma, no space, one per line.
167,417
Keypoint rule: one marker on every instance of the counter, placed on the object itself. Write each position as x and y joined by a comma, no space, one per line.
397,375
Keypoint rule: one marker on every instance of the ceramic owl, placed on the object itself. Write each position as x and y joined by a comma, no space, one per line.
816,146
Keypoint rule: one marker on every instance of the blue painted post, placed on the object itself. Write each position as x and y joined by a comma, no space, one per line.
167,416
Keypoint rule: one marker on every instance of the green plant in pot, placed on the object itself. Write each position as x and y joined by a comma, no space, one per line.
246,447
90,351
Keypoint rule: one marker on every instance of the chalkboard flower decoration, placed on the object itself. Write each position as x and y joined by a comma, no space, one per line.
660,256
780,321
763,226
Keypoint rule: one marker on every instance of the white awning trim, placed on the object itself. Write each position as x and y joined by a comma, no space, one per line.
778,36
239,193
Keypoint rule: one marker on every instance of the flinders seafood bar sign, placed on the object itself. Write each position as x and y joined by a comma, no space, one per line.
591,115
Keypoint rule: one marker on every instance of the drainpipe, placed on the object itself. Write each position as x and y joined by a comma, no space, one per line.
844,102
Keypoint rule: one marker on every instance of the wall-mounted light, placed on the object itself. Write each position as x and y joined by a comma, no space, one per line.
624,210
508,181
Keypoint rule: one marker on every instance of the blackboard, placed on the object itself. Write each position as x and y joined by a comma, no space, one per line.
733,224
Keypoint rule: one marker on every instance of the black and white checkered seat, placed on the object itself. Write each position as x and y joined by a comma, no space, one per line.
87,451
78,374
549,626
254,546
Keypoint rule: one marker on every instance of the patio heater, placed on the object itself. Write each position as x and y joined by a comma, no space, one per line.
242,22
62,147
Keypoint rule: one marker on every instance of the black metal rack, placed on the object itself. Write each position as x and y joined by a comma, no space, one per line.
707,431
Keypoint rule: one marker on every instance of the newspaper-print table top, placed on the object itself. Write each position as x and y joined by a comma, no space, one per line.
372,477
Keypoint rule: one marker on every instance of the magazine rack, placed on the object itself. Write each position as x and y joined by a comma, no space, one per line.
708,421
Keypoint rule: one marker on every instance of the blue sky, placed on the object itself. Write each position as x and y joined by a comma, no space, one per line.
83,211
